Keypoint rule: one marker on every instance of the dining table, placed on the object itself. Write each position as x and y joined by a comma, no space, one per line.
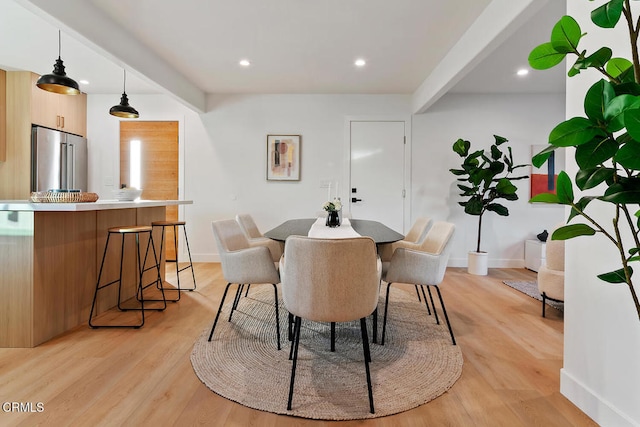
379,232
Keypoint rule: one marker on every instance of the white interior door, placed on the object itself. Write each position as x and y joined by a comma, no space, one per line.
377,167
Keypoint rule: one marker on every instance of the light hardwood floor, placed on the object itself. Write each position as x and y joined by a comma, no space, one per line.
512,359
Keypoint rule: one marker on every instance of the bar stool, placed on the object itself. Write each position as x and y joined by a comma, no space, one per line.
175,225
125,231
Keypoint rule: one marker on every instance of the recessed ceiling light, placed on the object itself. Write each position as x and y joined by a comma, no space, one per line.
84,82
245,62
360,62
523,72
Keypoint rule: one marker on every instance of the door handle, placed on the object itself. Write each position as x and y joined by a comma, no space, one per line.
354,200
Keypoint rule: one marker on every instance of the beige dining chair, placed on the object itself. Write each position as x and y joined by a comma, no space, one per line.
551,273
424,266
330,280
256,238
243,264
412,240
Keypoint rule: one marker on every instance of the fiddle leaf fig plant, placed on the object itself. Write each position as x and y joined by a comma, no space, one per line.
487,177
606,141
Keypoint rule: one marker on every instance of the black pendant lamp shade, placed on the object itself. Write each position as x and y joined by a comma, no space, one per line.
124,109
57,81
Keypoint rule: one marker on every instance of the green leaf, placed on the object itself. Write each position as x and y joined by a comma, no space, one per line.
622,194
505,186
632,122
572,230
500,139
564,189
544,57
458,172
616,66
595,152
598,96
634,251
545,198
498,208
461,147
607,15
474,206
615,276
597,59
539,159
629,155
575,131
495,152
580,207
615,109
565,35
590,178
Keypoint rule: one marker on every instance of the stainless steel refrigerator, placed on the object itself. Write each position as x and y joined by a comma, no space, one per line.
58,160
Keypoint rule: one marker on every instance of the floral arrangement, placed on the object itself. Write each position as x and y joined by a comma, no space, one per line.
332,206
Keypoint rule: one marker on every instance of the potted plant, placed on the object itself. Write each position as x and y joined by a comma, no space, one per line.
487,178
333,208
606,141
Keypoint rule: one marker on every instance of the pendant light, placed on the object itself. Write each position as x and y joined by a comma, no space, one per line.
57,81
124,109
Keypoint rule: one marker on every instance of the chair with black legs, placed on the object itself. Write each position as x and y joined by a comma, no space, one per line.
135,231
412,240
174,225
330,280
243,265
425,266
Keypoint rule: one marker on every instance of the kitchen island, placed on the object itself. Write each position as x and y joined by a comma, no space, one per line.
50,254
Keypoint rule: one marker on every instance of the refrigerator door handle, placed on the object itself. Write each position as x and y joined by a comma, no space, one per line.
71,167
63,166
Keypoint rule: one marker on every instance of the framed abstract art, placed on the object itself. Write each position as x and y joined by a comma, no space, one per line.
283,157
543,179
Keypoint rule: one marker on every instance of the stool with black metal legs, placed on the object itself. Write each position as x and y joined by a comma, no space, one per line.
175,225
135,230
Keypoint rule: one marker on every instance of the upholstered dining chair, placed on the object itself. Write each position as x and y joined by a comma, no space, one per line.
255,237
412,240
243,264
330,280
551,273
424,266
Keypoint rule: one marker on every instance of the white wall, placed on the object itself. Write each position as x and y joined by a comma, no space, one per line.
525,120
223,158
601,372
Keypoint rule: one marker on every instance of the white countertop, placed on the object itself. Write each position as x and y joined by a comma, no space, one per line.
28,206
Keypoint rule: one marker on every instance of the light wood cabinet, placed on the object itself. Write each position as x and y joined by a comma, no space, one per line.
67,113
3,116
27,104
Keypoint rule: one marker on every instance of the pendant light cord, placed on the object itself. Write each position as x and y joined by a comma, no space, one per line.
124,84
59,45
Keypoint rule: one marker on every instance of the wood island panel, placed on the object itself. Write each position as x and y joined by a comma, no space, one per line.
49,274
16,288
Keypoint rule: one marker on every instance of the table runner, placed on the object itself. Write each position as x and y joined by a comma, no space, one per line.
320,231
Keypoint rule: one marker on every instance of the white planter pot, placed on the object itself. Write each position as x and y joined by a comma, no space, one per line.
478,263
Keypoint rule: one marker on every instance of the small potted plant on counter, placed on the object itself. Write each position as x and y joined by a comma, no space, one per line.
487,178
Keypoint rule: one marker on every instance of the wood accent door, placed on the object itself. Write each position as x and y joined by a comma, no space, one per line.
3,116
158,164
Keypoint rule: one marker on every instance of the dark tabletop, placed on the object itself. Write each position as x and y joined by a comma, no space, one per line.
379,232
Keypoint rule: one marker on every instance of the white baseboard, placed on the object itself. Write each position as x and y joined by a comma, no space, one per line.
493,263
589,402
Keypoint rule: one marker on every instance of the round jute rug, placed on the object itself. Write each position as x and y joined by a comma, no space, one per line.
417,363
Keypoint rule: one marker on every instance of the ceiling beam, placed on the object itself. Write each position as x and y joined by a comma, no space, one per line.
499,20
107,38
